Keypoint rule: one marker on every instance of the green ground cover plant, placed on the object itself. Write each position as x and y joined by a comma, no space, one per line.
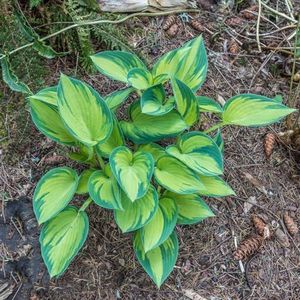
149,188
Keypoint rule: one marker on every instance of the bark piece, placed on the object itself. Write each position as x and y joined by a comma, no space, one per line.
139,5
290,224
248,247
282,238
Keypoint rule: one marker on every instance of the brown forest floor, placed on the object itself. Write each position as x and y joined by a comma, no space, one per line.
106,267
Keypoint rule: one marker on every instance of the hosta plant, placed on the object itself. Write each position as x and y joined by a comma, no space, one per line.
150,188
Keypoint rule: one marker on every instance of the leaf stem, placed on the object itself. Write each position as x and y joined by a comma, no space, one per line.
86,203
215,127
101,162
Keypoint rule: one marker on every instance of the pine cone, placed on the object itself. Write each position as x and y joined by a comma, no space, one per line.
261,227
269,144
290,224
169,21
197,25
234,47
248,247
173,30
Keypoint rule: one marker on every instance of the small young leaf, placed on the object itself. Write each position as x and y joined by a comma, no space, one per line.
138,213
117,64
139,78
115,99
161,225
207,104
155,150
219,141
83,181
186,102
105,191
53,193
175,176
153,101
188,64
133,171
253,110
160,261
83,111
11,79
199,152
145,128
115,140
61,239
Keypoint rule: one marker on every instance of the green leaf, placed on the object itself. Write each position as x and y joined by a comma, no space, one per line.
188,64
214,186
145,128
160,261
155,150
47,119
138,213
53,193
104,190
83,111
175,176
115,140
219,141
83,181
117,64
140,78
186,102
11,79
199,152
153,101
61,239
191,208
44,50
161,225
278,98
86,154
115,99
207,104
133,171
253,110
47,95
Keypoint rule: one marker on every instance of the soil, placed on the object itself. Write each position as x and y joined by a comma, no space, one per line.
106,267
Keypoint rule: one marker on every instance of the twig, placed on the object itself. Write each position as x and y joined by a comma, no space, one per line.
278,12
96,22
258,25
236,246
291,101
289,8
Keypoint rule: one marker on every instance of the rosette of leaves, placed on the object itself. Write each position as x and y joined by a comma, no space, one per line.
149,188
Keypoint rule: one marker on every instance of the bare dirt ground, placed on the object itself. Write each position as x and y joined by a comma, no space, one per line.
106,267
